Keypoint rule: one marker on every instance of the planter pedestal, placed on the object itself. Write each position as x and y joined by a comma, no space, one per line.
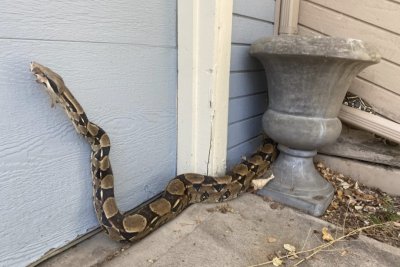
307,80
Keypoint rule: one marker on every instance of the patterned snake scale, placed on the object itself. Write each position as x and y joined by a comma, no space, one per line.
180,192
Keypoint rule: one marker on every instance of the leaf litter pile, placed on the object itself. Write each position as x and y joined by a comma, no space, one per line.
356,209
356,206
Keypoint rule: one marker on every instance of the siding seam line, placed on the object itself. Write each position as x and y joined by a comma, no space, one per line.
242,96
377,85
252,18
245,119
86,42
315,30
247,71
246,141
350,16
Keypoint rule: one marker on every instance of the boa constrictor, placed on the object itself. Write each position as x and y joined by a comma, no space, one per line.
357,102
180,192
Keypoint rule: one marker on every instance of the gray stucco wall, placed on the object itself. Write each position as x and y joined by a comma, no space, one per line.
252,19
119,59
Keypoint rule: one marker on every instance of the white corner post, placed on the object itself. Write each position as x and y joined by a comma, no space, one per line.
204,48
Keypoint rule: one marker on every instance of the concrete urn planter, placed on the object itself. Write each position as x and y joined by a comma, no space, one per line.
307,80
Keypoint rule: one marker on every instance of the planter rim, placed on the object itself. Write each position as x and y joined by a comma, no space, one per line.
318,46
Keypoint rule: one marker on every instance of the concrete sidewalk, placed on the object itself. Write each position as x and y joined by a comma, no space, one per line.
235,233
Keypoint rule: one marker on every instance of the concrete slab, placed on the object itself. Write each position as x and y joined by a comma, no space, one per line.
233,235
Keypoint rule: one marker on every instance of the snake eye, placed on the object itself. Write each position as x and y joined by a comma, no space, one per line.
53,85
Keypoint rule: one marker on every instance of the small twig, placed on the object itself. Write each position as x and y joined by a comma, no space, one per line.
345,218
335,240
308,235
300,252
286,256
321,247
334,249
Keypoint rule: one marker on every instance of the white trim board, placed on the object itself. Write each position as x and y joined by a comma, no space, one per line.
204,47
372,123
364,146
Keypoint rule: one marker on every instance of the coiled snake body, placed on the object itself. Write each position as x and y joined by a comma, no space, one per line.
180,192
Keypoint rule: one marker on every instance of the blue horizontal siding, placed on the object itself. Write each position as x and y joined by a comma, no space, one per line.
257,9
240,131
244,149
245,107
246,83
252,19
246,31
105,51
242,61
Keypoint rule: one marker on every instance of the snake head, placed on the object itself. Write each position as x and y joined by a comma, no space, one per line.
53,82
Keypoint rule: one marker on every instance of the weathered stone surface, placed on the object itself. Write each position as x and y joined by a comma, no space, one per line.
308,77
322,46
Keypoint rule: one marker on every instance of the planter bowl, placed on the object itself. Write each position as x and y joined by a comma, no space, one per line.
308,77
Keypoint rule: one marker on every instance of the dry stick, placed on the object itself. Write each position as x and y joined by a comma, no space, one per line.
286,256
305,242
321,247
335,240
344,221
345,217
283,257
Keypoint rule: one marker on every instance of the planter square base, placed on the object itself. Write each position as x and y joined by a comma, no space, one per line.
297,183
314,206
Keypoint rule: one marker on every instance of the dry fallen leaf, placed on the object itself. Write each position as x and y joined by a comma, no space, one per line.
367,197
340,194
289,247
335,205
339,179
369,209
292,251
276,261
359,205
348,193
356,186
351,201
326,235
260,183
271,239
345,185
